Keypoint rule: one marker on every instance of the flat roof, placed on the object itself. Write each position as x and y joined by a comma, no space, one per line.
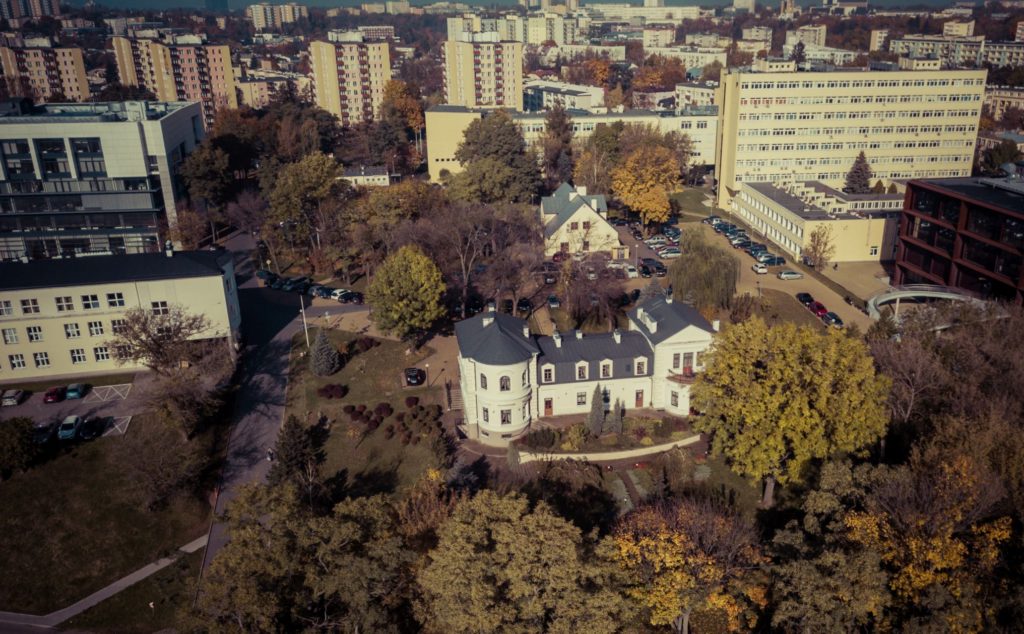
16,111
108,269
1003,193
796,205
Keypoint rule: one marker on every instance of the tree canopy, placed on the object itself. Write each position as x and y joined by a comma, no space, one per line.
405,293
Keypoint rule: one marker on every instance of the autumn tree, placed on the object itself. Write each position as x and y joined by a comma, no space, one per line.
858,179
557,149
644,181
207,174
163,340
596,158
500,566
1006,151
821,246
497,165
248,211
190,227
777,398
405,294
401,104
692,556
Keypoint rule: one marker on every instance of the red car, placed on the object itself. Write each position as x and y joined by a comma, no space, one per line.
55,394
817,308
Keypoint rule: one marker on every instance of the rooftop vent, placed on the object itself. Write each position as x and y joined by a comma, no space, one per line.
526,331
557,338
617,335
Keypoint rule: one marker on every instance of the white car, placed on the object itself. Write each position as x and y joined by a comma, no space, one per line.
631,272
656,241
670,253
338,293
759,268
790,275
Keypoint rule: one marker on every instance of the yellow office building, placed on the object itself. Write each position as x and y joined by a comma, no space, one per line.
349,77
57,317
777,125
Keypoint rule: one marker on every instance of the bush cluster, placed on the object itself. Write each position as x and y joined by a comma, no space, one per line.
332,390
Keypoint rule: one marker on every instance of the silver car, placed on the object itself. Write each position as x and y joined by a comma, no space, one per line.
790,275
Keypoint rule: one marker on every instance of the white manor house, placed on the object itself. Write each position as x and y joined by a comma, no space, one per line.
510,378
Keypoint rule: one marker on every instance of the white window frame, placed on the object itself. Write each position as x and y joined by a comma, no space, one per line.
543,374
34,333
10,336
41,359
65,303
72,331
115,300
581,398
640,366
583,365
160,308
17,361
101,353
90,302
6,308
30,306
96,328
78,356
609,366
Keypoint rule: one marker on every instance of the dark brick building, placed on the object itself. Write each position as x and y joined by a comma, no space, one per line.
966,233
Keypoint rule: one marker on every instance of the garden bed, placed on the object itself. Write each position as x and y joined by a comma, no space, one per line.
637,432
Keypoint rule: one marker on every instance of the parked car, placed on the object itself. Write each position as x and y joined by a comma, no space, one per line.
763,255
637,234
774,260
523,306
832,319
712,220
742,244
415,376
337,293
350,297
817,308
634,295
10,398
68,429
325,292
788,274
722,227
631,272
656,241
296,284
759,268
756,248
805,298
277,283
670,253
553,302
76,390
656,266
43,433
55,394
265,275
672,233
95,427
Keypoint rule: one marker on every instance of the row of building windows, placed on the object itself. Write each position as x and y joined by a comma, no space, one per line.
863,130
66,304
858,83
875,161
34,334
854,145
840,176
820,101
42,359
775,216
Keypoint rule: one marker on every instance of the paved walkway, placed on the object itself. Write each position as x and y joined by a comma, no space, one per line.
55,618
608,456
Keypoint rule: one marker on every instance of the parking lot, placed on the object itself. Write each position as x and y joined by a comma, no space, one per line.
120,402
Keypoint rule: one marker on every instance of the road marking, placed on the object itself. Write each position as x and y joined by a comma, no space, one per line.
105,393
120,426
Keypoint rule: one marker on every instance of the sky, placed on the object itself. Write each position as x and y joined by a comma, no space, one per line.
241,4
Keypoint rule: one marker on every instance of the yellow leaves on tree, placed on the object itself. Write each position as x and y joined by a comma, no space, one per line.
399,100
599,70
644,181
691,557
927,524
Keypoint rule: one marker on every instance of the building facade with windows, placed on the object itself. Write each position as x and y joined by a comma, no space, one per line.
778,125
577,223
510,378
90,178
349,77
181,68
482,71
43,72
272,16
57,317
964,232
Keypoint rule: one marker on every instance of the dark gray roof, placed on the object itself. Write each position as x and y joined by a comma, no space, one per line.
593,349
363,170
499,341
105,269
671,317
1002,193
796,205
564,202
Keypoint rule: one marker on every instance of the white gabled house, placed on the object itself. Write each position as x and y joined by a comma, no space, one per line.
510,378
575,222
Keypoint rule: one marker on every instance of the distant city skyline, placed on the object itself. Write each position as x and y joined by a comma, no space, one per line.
238,5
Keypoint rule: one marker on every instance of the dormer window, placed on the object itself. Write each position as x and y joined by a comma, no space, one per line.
641,366
483,381
547,374
581,371
606,369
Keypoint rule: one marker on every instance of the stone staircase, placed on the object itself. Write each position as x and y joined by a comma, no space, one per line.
454,397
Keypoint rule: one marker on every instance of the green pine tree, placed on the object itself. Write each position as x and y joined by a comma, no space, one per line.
326,359
595,419
613,422
294,453
858,179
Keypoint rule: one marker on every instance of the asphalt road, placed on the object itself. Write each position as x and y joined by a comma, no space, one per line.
270,319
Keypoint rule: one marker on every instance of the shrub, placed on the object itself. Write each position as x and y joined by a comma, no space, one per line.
360,408
436,410
400,416
412,401
415,440
332,390
405,440
383,410
373,424
389,432
662,429
545,438
646,441
348,409
640,433
365,343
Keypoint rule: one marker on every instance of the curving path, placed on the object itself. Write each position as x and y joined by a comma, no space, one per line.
916,291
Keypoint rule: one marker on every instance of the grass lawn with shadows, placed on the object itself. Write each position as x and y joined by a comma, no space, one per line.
361,460
128,612
72,525
779,307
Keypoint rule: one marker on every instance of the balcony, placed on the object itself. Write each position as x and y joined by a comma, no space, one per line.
686,377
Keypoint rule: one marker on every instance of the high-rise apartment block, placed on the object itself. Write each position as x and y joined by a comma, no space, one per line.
374,32
181,69
879,40
91,178
809,35
481,71
1020,32
272,16
777,125
954,28
27,9
42,73
349,76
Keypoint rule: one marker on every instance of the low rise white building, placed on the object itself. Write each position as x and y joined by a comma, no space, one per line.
823,54
363,176
510,378
541,94
696,93
692,56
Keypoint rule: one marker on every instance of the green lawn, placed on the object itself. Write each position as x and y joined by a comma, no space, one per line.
370,461
779,307
169,590
71,526
94,381
690,203
742,493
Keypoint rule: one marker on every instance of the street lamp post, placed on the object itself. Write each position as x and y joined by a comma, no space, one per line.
302,311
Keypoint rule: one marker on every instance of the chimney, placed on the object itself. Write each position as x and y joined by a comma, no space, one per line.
640,312
715,325
526,331
168,249
558,339
582,189
617,335
579,334
488,319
